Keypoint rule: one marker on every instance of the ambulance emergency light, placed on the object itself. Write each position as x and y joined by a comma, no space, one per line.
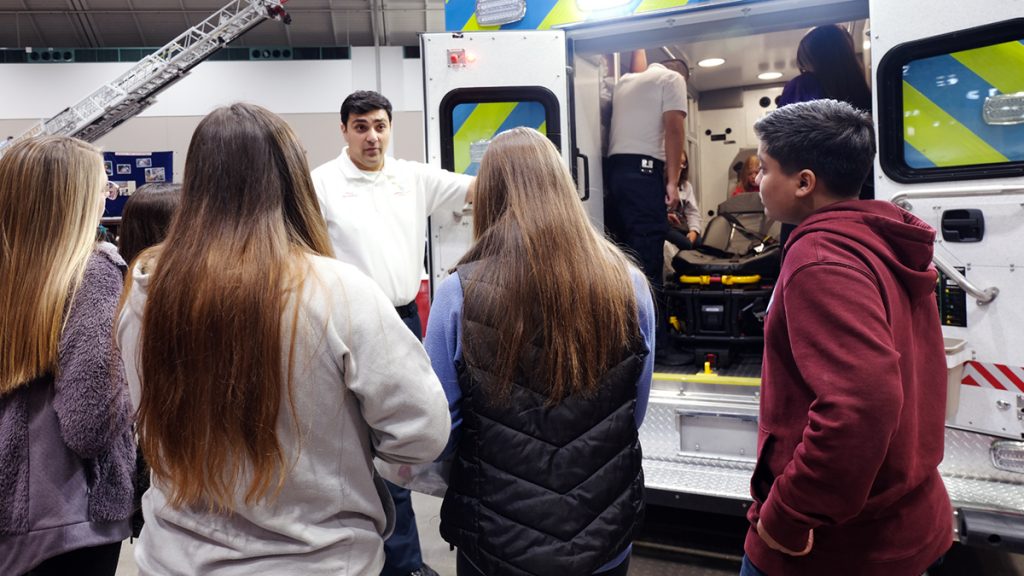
498,12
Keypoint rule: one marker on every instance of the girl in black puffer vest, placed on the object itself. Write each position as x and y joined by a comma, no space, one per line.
542,340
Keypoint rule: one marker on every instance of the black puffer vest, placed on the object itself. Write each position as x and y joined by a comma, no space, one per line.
538,489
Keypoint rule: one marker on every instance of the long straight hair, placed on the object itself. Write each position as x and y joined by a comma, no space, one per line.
565,283
212,352
828,52
50,206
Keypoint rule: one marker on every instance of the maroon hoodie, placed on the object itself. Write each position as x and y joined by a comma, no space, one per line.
853,400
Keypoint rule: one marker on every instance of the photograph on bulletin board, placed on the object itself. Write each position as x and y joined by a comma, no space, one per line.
128,171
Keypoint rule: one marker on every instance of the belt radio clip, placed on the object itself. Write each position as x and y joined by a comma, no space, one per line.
646,166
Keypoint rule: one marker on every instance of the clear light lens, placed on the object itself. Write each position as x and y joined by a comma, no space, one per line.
498,12
1008,455
711,62
769,75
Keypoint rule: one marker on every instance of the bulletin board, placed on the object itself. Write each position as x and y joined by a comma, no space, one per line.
128,171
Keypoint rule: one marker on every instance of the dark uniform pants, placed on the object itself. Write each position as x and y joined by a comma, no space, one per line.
635,210
637,219
402,550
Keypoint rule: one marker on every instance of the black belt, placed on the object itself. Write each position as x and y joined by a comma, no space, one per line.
407,310
638,162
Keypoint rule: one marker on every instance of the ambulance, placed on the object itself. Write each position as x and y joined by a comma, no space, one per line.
948,94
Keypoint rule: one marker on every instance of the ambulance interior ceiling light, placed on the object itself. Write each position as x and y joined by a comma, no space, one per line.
769,75
598,5
711,62
498,12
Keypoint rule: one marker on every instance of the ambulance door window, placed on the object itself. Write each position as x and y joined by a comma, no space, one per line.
470,118
952,106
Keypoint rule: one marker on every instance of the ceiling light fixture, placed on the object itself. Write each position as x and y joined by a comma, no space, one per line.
769,75
711,62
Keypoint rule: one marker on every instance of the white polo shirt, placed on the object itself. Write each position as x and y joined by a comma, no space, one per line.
377,221
637,105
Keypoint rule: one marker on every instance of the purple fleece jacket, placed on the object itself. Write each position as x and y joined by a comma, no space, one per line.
67,455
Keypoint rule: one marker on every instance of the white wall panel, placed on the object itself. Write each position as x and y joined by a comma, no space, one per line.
35,91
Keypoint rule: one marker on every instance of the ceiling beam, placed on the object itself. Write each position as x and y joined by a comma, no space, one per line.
184,13
35,26
138,25
80,19
334,28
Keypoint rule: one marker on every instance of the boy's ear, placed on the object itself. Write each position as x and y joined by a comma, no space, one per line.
807,183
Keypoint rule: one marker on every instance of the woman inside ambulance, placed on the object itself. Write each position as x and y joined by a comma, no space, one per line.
746,180
829,68
542,339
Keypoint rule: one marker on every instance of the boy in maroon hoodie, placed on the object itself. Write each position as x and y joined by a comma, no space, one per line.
853,390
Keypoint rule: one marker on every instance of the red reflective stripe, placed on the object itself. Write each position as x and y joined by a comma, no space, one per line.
968,381
1013,377
984,373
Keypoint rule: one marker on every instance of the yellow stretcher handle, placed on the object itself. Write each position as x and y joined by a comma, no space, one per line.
728,280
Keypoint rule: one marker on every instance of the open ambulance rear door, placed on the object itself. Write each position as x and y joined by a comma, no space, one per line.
949,106
478,84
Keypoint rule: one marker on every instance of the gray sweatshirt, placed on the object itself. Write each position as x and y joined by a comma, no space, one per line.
67,455
363,387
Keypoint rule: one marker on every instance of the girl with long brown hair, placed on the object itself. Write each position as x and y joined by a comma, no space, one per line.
542,338
266,373
66,449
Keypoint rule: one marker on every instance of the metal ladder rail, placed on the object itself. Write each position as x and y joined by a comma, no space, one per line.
134,90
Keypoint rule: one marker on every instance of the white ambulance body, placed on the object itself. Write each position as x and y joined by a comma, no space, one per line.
948,84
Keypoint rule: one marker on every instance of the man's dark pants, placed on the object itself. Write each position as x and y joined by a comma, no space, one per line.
637,218
635,210
402,550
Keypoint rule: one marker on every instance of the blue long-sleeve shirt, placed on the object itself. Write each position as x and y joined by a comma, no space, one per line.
444,346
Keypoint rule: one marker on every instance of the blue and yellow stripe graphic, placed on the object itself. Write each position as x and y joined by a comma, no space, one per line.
460,15
943,97
480,122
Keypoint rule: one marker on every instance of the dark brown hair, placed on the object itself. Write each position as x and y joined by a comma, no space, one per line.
212,348
829,53
147,217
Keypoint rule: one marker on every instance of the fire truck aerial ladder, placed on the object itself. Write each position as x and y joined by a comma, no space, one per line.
136,89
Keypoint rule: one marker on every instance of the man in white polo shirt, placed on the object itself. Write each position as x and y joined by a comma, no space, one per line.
644,152
376,211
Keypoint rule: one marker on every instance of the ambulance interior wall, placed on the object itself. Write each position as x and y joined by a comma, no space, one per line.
724,136
307,94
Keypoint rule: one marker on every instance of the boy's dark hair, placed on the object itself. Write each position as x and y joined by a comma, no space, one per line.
147,217
828,137
363,101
